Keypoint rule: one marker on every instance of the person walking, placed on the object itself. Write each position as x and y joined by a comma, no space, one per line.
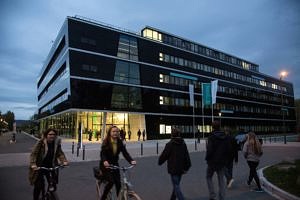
111,147
217,155
144,134
139,134
129,134
90,133
178,160
46,153
233,157
252,152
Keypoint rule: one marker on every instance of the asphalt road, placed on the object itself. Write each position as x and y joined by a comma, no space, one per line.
23,143
150,181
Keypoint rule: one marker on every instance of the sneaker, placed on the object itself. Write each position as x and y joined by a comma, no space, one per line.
230,183
258,190
248,183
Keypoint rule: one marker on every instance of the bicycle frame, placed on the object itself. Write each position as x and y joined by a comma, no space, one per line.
126,188
50,193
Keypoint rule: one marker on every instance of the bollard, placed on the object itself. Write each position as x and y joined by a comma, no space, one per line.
78,150
270,139
275,139
156,147
141,149
72,147
83,152
195,145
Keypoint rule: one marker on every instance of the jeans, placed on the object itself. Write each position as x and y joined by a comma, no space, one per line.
176,188
228,171
253,174
221,180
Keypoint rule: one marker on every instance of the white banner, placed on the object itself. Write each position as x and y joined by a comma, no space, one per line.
191,91
214,89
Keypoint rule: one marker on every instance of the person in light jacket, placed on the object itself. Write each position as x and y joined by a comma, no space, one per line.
252,152
178,159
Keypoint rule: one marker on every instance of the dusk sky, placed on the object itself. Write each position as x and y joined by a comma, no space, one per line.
266,32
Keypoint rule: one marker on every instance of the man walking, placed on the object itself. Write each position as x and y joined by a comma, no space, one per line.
177,156
217,156
233,156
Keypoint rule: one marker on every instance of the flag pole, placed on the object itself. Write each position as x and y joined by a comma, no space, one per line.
202,106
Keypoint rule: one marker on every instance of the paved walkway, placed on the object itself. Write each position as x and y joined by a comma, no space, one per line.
151,181
17,154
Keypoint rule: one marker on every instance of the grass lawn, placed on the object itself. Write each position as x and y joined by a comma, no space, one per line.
284,175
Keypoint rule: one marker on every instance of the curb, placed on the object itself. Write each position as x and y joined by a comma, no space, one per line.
30,135
274,190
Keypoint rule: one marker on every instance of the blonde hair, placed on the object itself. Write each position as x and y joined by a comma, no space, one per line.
254,143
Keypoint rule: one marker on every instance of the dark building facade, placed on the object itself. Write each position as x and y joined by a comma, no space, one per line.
97,75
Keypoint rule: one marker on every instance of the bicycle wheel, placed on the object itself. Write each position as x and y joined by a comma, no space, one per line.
51,196
133,196
98,192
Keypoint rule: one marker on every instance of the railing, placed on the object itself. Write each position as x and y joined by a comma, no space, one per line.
107,25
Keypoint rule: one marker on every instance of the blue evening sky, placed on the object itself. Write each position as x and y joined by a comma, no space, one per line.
266,32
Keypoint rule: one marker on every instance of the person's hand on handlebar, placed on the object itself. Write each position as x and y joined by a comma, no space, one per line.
106,164
34,167
65,163
133,162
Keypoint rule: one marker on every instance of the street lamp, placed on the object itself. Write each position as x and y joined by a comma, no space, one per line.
282,75
220,115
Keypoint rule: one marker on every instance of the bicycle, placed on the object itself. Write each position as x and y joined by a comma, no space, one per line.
50,194
126,192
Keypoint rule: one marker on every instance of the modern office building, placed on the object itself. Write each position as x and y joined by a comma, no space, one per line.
97,75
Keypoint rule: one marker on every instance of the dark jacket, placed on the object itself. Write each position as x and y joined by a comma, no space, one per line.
234,156
108,155
218,149
38,154
177,156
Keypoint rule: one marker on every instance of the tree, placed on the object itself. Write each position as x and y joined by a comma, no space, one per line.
297,105
9,117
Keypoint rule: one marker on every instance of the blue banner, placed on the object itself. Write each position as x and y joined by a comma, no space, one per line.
206,94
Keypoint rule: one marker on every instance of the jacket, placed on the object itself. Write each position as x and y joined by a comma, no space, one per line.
39,152
107,154
249,153
233,156
176,155
218,149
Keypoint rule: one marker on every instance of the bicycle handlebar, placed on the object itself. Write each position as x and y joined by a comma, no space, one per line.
52,168
122,168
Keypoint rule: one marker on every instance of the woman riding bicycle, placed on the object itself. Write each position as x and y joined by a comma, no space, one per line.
46,153
111,147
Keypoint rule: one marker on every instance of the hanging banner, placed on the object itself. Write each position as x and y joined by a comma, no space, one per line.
191,91
206,94
214,90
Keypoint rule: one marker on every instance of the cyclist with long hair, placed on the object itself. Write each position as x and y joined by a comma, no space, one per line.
252,152
111,147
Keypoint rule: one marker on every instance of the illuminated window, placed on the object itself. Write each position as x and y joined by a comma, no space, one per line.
274,86
161,100
161,78
162,129
154,35
161,56
168,129
263,83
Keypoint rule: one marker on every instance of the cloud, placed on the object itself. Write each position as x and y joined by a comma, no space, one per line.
264,32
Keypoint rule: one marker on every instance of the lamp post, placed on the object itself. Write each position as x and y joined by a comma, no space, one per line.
220,116
282,75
